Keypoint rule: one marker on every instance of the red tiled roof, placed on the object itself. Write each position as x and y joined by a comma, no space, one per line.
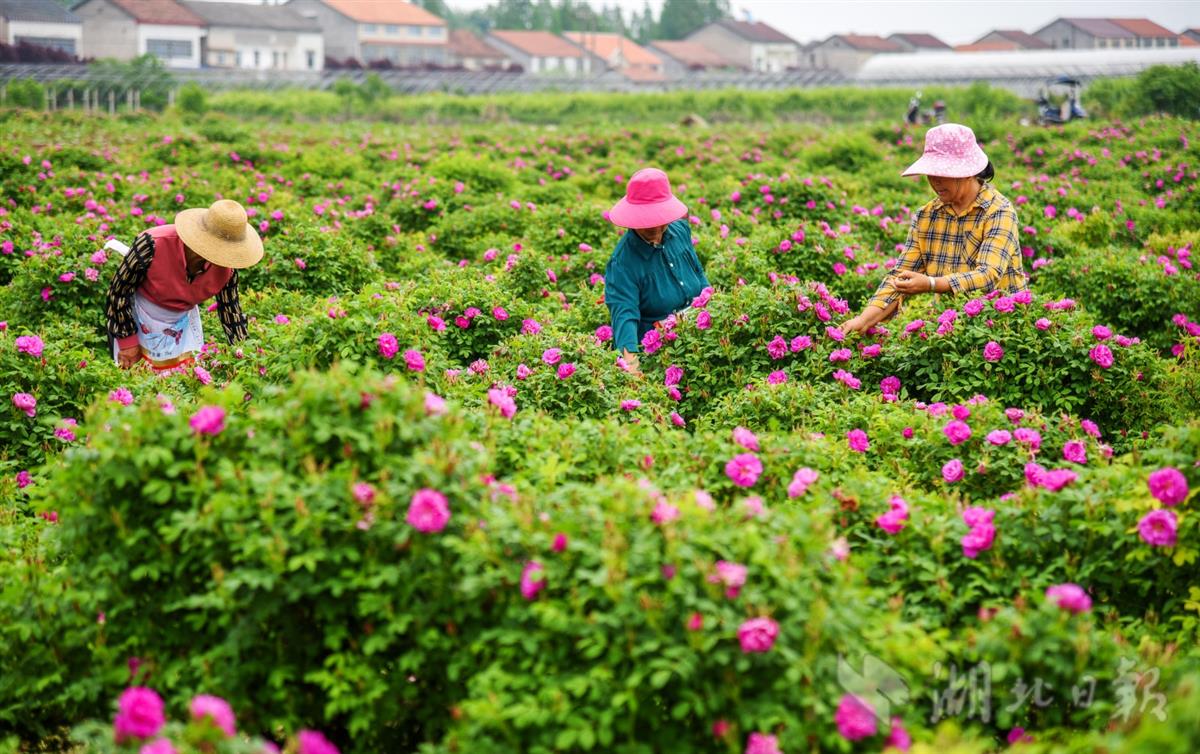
927,41
466,44
1023,39
869,42
160,12
998,46
1186,41
1143,27
606,44
394,12
691,54
539,44
1100,27
756,31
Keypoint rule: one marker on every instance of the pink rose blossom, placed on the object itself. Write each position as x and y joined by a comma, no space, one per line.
1158,528
1070,597
801,481
855,718
732,575
952,471
992,352
1169,486
208,420
898,737
745,438
30,345
428,511
957,432
435,405
761,743
858,441
757,634
664,513
414,360
744,469
217,710
978,539
25,402
1075,452
312,742
999,437
158,746
388,345
531,584
1102,356
139,714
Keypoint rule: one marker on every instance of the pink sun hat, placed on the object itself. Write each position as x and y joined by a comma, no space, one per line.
648,202
951,151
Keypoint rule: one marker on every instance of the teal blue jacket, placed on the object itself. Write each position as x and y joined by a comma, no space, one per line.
644,283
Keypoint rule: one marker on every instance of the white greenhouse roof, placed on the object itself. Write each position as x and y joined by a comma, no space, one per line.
1023,64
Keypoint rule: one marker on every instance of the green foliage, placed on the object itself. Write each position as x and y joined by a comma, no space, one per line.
145,73
192,99
250,563
26,93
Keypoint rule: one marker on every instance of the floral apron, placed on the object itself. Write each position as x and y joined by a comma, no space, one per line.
168,338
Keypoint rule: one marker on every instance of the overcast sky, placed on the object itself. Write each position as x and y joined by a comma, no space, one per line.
953,21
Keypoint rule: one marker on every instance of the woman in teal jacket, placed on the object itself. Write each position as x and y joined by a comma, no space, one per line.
654,271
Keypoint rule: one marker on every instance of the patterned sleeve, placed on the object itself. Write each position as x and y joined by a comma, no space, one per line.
911,259
229,309
996,251
122,326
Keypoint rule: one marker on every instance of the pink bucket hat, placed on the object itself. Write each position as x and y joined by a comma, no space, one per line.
648,202
950,152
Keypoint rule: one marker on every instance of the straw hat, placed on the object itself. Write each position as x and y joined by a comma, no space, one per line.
648,202
951,151
220,234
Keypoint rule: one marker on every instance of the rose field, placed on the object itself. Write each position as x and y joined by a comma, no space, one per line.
423,507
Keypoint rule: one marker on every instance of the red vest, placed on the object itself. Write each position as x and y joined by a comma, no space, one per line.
166,282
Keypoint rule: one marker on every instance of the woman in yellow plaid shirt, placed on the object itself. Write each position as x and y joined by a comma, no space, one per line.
963,241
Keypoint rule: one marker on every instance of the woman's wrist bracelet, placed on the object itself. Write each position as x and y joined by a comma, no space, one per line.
932,284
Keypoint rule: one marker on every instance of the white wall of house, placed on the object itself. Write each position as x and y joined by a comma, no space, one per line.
264,49
66,37
774,58
108,32
177,46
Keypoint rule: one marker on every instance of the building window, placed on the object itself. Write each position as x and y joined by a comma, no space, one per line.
238,58
169,48
370,29
414,31
256,59
436,32
310,59
274,58
54,43
1066,42
392,30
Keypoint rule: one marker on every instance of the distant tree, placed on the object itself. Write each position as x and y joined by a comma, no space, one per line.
682,17
439,9
513,14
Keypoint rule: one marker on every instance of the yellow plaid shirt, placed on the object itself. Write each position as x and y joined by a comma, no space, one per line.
977,251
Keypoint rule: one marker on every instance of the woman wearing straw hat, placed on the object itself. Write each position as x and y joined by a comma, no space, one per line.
153,301
654,270
964,241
